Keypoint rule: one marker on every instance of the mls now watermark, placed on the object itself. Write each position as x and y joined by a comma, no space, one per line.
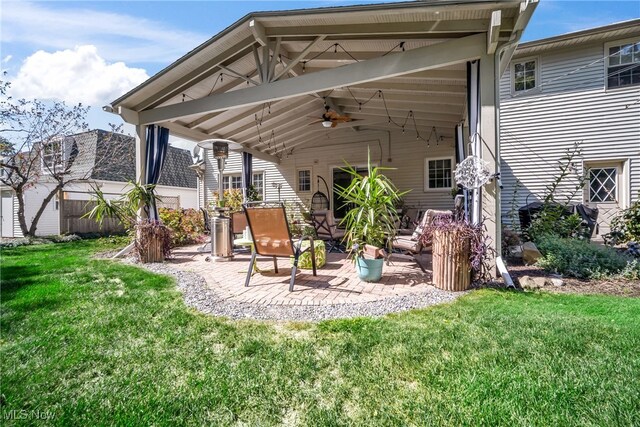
24,414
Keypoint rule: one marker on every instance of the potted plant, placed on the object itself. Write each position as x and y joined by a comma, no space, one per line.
370,223
459,250
152,240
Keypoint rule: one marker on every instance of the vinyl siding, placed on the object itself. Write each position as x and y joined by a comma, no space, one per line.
572,106
407,157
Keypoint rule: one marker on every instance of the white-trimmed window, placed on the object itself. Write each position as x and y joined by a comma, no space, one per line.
603,185
524,75
234,181
304,180
438,173
53,156
623,63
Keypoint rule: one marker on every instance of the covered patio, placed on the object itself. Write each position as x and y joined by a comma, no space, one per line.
414,84
336,282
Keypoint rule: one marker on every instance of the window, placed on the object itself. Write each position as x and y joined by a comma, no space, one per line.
304,180
258,184
524,75
602,185
53,156
234,181
438,174
623,66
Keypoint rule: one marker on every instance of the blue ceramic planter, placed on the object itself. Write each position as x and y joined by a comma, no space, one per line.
369,270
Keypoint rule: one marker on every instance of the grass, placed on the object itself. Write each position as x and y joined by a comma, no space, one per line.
93,342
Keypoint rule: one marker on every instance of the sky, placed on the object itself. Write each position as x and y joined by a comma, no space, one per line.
93,52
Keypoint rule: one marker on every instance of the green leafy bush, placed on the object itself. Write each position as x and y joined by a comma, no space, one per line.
553,220
626,226
232,199
581,259
186,225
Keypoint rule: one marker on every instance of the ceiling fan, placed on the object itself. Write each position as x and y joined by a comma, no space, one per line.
330,118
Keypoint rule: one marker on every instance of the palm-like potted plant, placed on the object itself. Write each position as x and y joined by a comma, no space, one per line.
371,220
152,239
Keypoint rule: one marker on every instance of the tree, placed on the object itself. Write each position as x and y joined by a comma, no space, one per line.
38,146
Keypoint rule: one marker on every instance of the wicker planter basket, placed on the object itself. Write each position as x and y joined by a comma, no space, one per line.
451,261
150,243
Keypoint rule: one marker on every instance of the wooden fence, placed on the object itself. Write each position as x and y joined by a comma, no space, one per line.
71,220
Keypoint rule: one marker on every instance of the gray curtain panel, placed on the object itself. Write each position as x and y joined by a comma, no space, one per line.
247,173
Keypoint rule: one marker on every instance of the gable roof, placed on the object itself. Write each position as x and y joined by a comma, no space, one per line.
618,30
175,173
283,66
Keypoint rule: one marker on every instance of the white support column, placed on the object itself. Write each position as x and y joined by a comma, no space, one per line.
141,152
489,149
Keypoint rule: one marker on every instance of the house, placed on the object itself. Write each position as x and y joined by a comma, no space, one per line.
95,164
393,77
578,87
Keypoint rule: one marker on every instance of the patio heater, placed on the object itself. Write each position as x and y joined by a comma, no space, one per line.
221,238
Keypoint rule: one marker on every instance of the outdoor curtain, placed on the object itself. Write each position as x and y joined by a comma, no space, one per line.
473,105
460,156
247,173
156,152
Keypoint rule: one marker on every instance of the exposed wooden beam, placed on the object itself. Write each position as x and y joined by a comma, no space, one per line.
231,85
298,58
403,104
494,31
257,29
240,75
429,88
256,58
128,115
279,126
196,135
198,74
408,28
402,97
234,115
424,58
248,122
274,59
335,134
452,117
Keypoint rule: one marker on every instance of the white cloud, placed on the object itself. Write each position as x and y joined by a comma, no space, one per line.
78,75
119,37
6,59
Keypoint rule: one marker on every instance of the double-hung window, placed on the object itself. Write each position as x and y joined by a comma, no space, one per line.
623,64
524,75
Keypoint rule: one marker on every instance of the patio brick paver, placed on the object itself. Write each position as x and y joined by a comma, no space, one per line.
337,282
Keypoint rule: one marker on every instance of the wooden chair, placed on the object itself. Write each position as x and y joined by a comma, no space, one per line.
272,237
327,230
411,244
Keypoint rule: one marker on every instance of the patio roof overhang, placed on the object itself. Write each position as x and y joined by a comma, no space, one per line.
278,68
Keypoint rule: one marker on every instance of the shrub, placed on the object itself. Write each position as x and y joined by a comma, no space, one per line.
232,199
626,226
581,259
186,225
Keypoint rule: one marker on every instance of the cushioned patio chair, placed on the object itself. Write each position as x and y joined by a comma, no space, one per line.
327,229
411,244
272,237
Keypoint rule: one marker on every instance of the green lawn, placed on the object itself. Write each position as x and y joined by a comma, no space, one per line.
99,343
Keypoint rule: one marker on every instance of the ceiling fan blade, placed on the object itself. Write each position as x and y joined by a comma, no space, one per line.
334,123
342,119
315,122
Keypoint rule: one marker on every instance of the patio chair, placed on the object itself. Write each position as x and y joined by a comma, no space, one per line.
238,222
327,230
207,221
272,237
411,244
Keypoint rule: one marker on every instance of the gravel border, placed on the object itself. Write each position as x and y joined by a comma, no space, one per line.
204,299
